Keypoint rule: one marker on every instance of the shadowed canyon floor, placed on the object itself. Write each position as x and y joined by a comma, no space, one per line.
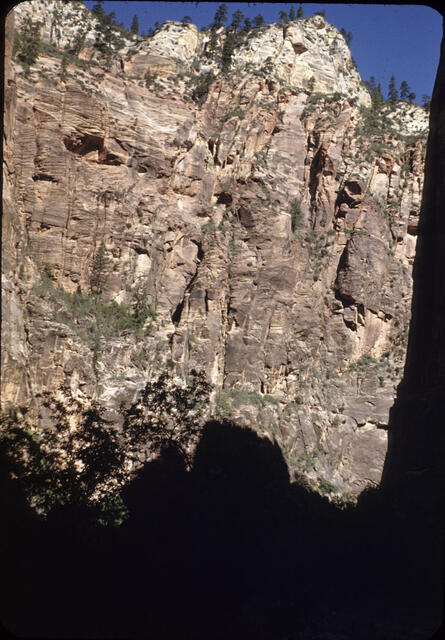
230,549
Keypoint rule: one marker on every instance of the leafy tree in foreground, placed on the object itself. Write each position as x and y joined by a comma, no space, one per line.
168,414
80,461
65,465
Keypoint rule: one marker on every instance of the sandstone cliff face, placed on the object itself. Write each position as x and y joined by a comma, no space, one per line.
265,231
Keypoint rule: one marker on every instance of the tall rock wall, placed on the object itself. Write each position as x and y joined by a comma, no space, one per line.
414,466
260,227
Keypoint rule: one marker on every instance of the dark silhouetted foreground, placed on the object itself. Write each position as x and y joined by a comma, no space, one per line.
227,549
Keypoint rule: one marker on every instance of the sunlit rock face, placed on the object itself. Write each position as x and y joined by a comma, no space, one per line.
265,228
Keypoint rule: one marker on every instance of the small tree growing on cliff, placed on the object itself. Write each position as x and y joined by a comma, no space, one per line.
27,44
99,12
64,66
200,92
99,270
247,25
426,102
393,95
237,19
135,25
296,215
347,35
404,90
283,17
220,17
258,20
227,52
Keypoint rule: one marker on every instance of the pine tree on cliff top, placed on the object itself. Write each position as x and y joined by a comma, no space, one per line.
237,19
258,20
220,17
135,25
392,91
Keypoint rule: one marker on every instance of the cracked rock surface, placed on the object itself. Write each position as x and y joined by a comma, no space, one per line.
269,233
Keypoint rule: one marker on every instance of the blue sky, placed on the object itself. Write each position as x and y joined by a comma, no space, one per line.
399,40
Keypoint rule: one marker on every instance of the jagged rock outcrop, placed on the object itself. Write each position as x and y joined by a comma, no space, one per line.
262,225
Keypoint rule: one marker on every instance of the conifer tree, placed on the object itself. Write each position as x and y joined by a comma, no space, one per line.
227,52
292,14
300,12
347,35
258,20
186,20
404,90
99,270
237,18
375,91
370,84
29,42
99,12
377,98
283,17
135,25
220,17
392,91
247,25
64,66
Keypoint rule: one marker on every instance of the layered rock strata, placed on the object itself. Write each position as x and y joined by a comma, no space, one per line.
261,228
